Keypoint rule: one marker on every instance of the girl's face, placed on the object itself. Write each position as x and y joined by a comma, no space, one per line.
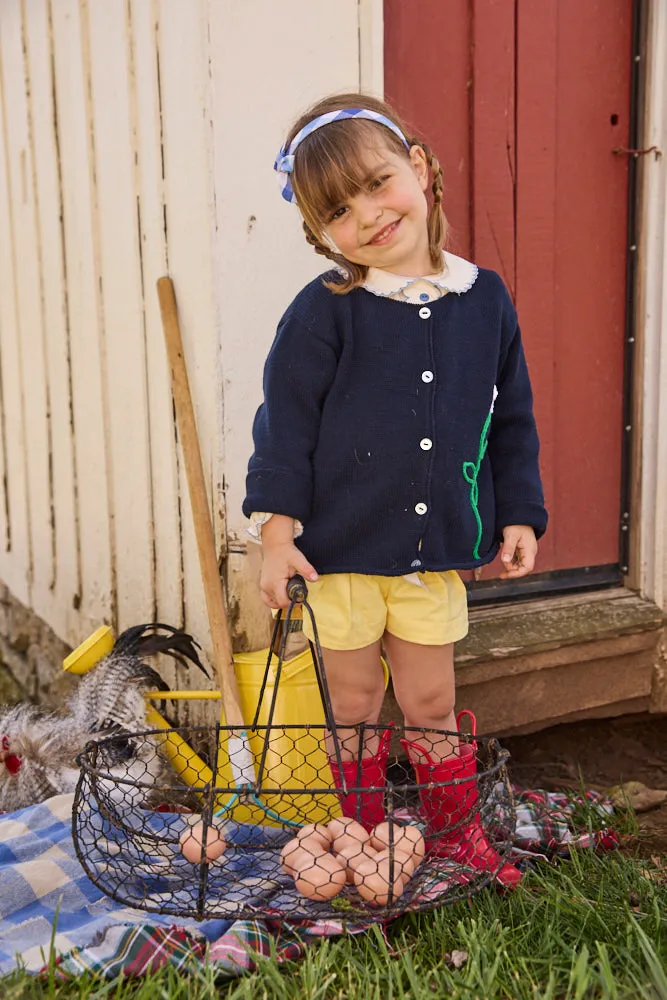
383,225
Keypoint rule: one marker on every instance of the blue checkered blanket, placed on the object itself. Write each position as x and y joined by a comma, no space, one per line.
45,896
48,903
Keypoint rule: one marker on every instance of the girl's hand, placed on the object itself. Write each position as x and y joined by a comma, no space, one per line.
281,561
518,551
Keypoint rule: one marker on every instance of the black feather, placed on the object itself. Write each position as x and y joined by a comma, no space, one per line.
143,640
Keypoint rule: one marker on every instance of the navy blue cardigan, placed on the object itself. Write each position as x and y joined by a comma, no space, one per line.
376,430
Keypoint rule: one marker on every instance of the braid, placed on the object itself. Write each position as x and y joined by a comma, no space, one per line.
351,275
436,222
313,241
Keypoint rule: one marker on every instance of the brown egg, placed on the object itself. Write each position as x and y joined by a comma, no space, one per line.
407,839
293,855
322,879
338,826
404,864
316,831
193,838
372,881
313,844
354,854
303,861
351,833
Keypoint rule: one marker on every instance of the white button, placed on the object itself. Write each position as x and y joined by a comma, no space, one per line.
427,376
425,444
420,508
415,563
424,312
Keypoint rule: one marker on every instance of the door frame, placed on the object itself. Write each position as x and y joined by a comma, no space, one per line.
647,567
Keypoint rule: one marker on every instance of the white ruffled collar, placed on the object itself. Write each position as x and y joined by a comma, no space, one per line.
458,275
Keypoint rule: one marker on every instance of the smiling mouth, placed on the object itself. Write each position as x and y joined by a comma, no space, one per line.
384,235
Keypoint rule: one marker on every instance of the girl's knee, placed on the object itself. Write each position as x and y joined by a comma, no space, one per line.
354,707
356,684
428,709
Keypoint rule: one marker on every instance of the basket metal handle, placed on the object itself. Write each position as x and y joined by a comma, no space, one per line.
297,590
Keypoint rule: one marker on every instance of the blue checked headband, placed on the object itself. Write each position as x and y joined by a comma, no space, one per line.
284,164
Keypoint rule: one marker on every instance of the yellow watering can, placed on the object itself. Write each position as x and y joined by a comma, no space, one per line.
295,757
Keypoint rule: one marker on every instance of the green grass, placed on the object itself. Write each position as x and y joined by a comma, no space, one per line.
594,926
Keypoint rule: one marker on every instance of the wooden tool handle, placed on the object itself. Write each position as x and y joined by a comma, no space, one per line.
187,428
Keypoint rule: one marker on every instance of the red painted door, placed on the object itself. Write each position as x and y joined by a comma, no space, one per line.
524,102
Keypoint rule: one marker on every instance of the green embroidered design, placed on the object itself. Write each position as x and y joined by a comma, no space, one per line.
471,473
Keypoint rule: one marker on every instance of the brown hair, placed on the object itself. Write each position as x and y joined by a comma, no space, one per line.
329,169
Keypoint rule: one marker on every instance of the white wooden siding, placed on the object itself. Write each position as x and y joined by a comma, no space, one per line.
137,139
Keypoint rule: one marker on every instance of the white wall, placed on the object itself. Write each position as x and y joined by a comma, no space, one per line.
137,138
262,254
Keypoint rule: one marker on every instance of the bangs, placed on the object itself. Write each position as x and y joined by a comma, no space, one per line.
334,163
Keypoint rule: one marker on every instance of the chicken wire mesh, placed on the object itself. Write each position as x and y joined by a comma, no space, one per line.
259,865
298,822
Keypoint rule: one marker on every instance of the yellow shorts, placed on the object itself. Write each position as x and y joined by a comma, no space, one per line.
353,611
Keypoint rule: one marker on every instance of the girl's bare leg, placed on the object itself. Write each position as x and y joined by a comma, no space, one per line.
423,682
356,684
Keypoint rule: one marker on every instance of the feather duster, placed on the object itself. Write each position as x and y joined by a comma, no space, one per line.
38,749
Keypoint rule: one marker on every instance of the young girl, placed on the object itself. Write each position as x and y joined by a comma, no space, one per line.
395,445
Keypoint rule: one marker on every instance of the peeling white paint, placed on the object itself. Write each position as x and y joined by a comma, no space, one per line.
137,139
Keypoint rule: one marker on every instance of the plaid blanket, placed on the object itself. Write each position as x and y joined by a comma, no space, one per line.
548,823
49,906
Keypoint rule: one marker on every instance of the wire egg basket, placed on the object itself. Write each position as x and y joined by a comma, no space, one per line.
274,843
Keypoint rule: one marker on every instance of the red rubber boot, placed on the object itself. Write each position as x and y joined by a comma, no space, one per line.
454,826
369,772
